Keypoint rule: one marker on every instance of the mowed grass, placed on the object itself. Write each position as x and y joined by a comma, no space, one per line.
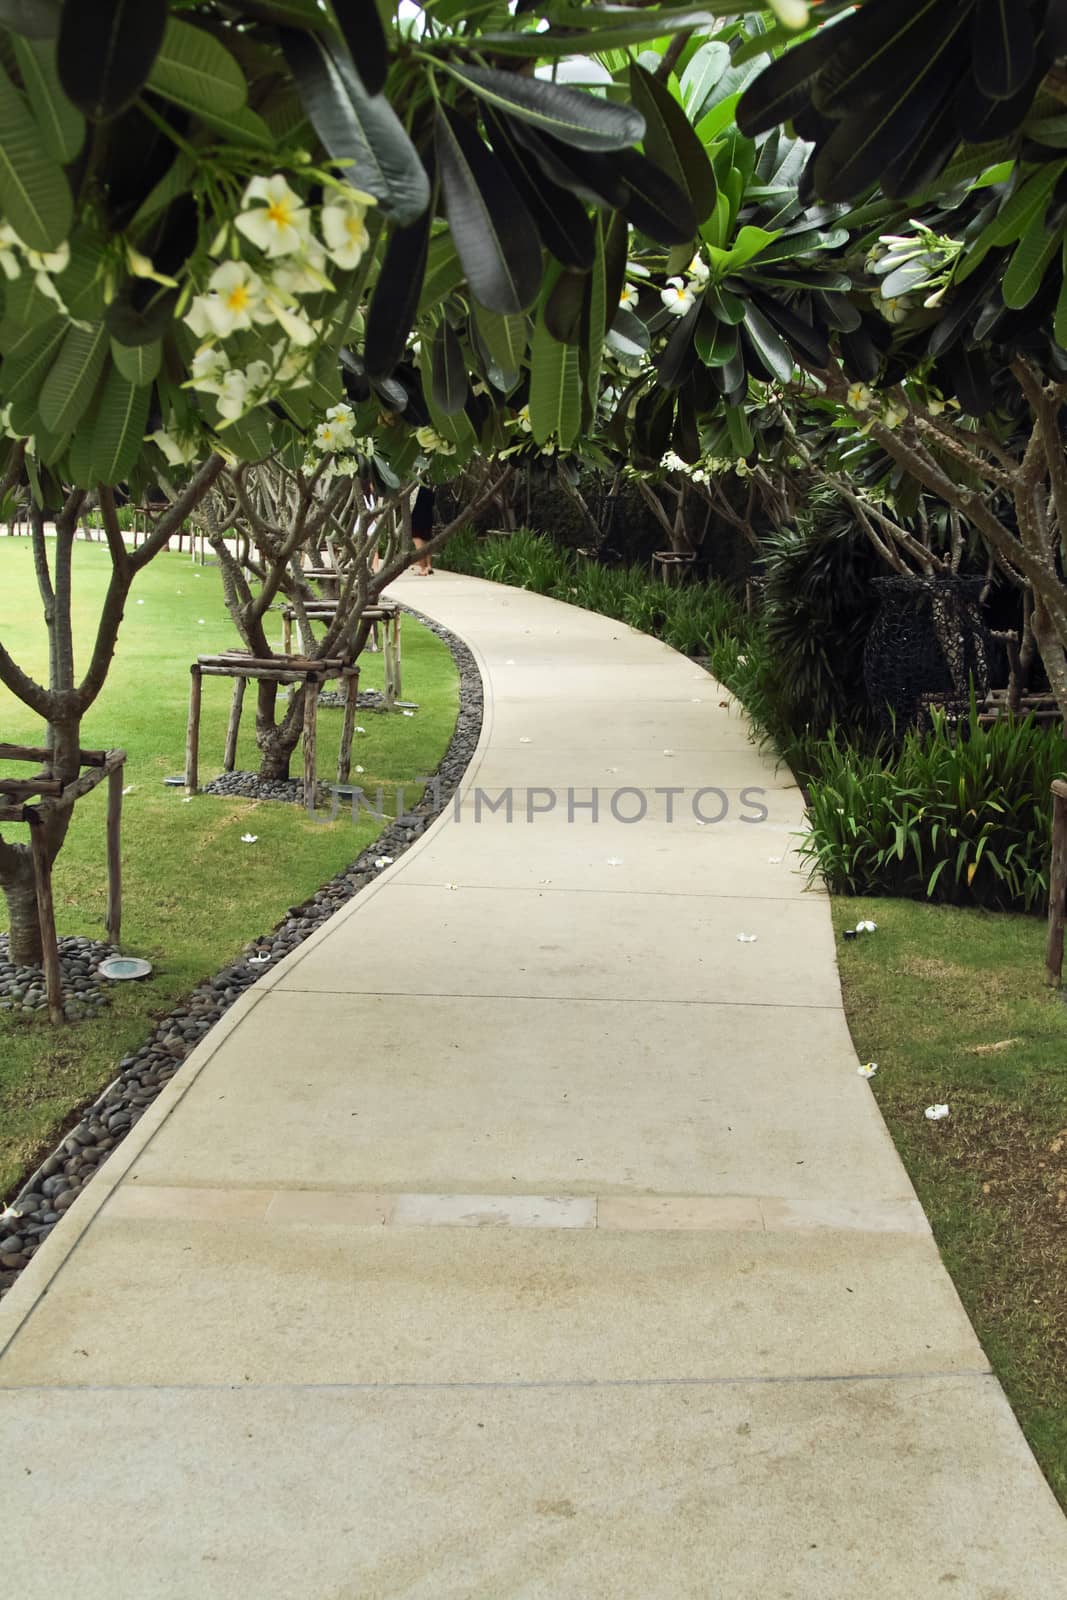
193,894
952,1005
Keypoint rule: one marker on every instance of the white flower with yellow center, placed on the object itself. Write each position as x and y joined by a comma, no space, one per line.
628,298
233,398
274,218
344,227
236,296
678,297
699,269
858,397
305,274
522,417
894,414
896,308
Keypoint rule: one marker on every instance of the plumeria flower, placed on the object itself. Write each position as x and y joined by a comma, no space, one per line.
430,441
178,450
793,13
187,799
699,269
409,713
361,769
747,938
384,861
344,227
678,297
129,788
935,1113
249,838
858,396
303,274
629,296
896,308
614,861
894,414
866,927
236,296
9,261
868,1069
522,417
274,218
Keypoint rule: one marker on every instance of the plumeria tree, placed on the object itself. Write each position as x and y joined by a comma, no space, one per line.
219,222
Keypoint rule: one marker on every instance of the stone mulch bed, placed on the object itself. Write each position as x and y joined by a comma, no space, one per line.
22,988
58,1181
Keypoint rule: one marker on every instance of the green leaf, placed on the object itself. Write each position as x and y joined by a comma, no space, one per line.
505,340
195,71
671,142
105,52
138,363
444,271
581,120
71,383
34,194
396,295
360,129
594,314
656,204
118,435
1006,58
702,75
555,380
493,232
599,28
29,360
750,242
769,345
448,370
249,437
1029,263
62,126
361,24
33,19
242,126
1061,306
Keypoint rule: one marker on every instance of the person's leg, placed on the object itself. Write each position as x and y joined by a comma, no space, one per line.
422,567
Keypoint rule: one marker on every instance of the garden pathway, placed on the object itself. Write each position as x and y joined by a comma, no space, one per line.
527,1232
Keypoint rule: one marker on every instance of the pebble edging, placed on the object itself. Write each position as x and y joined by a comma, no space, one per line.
58,1181
23,989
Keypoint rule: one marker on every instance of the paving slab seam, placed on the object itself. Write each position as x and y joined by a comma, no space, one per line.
551,999
636,894
976,1374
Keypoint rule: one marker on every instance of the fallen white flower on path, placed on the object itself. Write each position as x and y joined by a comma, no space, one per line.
866,927
773,860
451,885
510,662
615,861
249,838
668,752
525,740
384,861
747,938
935,1113
868,1069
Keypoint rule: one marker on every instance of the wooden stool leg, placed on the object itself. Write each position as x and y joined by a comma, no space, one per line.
114,855
344,758
192,737
46,915
229,759
311,712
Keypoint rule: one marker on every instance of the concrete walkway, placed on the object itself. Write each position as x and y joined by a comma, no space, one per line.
527,1232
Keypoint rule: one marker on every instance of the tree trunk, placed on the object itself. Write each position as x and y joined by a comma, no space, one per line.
20,892
276,740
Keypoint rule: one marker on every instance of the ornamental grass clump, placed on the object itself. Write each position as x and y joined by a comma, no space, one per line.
959,814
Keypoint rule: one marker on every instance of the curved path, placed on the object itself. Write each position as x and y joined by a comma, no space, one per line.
527,1232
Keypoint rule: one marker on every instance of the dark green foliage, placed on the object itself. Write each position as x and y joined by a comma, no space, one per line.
960,814
818,606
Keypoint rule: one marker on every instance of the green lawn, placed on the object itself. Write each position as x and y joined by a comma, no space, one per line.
952,1006
193,894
